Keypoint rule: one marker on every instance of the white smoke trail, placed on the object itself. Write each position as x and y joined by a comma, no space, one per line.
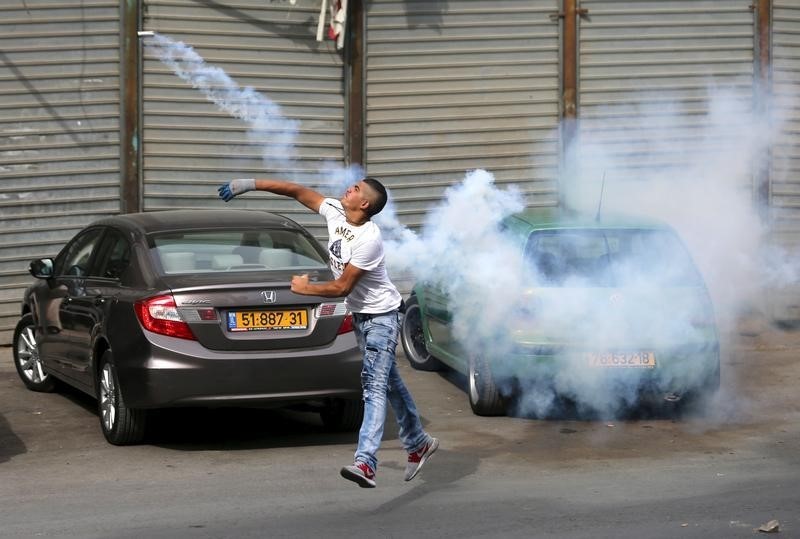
269,128
334,178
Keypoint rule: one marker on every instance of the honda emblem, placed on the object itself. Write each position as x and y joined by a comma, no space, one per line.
269,296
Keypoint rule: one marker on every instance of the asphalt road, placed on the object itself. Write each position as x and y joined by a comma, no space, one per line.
259,473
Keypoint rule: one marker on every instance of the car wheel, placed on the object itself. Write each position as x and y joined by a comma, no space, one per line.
413,339
484,396
343,415
26,357
121,425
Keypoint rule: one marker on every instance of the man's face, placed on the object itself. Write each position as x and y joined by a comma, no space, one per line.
357,196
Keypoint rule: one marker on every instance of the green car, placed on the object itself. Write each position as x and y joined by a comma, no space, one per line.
604,313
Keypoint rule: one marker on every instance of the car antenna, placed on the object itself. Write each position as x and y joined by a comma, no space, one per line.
600,202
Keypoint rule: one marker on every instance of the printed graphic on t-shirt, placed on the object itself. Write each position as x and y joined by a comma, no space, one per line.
336,248
345,233
340,255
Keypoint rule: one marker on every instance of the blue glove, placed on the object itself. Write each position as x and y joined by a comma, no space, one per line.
236,187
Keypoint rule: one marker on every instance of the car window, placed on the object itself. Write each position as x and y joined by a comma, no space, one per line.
613,257
75,259
655,255
560,256
236,250
116,258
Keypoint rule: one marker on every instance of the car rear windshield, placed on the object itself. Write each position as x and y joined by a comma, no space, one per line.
617,257
235,250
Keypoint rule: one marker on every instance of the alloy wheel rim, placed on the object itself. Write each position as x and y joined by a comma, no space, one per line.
30,363
415,337
108,401
473,382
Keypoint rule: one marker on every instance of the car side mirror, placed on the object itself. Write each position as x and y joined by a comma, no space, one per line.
42,268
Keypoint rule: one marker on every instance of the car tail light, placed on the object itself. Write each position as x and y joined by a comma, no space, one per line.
347,324
160,315
325,310
209,315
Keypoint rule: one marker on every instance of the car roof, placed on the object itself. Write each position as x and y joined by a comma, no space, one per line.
166,220
552,218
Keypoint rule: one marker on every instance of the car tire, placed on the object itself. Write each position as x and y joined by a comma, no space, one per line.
343,415
121,425
26,357
413,338
484,395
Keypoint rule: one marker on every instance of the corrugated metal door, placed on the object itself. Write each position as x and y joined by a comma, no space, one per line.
785,173
191,145
59,120
458,85
784,298
661,60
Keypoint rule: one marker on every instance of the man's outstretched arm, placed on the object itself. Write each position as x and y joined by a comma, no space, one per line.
328,289
305,196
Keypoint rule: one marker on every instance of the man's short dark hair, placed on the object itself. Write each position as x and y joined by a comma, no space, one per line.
376,205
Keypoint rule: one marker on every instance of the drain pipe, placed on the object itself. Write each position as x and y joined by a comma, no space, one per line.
130,140
569,75
763,85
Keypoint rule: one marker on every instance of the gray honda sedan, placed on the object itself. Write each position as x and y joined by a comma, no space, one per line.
188,308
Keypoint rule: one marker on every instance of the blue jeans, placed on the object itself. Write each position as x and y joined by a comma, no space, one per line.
377,338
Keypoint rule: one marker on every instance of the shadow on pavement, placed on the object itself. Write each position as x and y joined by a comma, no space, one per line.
10,443
202,429
227,428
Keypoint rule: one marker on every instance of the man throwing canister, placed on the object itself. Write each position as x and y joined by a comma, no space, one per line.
356,254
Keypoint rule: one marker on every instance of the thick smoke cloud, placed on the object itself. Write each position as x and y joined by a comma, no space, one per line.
268,126
276,134
695,172
505,308
692,172
462,251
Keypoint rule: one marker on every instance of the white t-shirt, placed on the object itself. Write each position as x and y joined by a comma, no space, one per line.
362,247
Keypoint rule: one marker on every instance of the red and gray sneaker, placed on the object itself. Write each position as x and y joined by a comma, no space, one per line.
419,457
361,473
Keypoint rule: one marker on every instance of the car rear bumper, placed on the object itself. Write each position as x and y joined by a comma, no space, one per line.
171,372
677,371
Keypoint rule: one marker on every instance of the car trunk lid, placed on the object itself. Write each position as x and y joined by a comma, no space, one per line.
243,313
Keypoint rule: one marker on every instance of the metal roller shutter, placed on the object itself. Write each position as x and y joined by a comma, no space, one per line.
59,119
459,85
785,173
190,146
659,59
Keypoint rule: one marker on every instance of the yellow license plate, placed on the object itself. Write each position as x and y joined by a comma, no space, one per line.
267,320
641,360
